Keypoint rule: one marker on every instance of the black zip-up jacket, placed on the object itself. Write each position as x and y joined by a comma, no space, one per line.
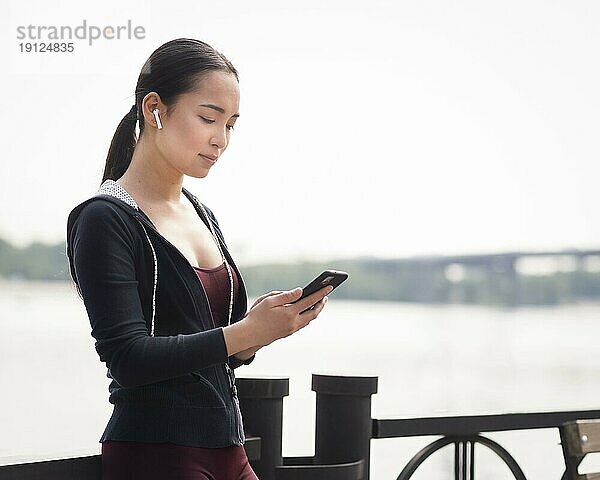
172,380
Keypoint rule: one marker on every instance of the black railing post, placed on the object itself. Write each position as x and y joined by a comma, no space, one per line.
261,404
343,419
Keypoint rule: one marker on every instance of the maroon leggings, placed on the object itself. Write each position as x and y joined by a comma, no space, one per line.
122,460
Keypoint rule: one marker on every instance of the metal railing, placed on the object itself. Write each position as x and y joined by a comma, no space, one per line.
464,432
343,433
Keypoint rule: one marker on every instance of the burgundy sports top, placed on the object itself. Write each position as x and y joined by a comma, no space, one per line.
216,283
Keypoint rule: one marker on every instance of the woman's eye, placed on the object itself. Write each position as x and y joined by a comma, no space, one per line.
208,120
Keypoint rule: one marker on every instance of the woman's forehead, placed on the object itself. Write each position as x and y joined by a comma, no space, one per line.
217,89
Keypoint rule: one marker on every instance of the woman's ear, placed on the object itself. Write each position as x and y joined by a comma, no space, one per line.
152,107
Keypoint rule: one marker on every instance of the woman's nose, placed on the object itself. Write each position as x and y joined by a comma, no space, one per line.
219,141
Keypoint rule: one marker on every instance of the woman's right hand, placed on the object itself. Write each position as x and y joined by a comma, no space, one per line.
273,316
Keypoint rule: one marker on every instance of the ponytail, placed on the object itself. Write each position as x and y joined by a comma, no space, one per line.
121,147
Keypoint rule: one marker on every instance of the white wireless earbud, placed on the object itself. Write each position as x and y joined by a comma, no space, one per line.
158,124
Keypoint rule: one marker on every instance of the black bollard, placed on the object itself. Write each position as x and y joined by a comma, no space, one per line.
261,404
343,419
302,468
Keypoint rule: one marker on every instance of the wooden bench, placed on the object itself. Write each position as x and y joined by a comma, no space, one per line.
578,438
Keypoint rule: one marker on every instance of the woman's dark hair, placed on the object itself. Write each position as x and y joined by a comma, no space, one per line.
173,69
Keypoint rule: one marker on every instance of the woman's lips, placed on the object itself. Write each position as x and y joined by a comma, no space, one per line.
209,160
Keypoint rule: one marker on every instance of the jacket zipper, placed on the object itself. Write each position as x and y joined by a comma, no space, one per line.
196,202
131,202
228,371
143,220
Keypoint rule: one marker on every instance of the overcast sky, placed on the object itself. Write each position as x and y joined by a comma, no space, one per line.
366,128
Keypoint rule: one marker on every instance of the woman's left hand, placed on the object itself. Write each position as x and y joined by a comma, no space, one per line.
249,352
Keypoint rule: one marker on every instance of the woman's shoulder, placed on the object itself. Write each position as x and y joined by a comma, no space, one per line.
102,215
98,207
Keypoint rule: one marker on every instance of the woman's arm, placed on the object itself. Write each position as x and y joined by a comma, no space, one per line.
101,249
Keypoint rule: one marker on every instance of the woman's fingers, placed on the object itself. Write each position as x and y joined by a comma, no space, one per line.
277,315
312,299
289,298
262,297
310,315
284,297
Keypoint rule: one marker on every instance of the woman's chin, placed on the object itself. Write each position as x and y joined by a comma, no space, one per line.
200,173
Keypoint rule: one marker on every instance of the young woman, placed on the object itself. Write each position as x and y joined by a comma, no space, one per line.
166,302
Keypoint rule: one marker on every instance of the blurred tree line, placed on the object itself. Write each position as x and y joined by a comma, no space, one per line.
371,278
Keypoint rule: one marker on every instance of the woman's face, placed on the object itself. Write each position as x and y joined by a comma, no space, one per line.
200,125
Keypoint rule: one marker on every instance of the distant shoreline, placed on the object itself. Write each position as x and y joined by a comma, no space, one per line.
21,286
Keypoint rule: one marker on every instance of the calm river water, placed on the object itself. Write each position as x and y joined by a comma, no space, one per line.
430,360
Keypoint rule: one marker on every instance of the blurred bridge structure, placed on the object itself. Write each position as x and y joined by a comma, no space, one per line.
511,278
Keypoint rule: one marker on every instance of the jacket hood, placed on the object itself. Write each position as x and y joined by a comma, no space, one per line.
109,190
115,193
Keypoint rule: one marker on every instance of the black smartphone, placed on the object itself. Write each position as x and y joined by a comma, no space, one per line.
328,277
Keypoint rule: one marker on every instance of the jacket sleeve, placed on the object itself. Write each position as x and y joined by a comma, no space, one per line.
232,360
236,362
102,249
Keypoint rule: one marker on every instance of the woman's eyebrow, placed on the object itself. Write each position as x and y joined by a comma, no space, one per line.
218,109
